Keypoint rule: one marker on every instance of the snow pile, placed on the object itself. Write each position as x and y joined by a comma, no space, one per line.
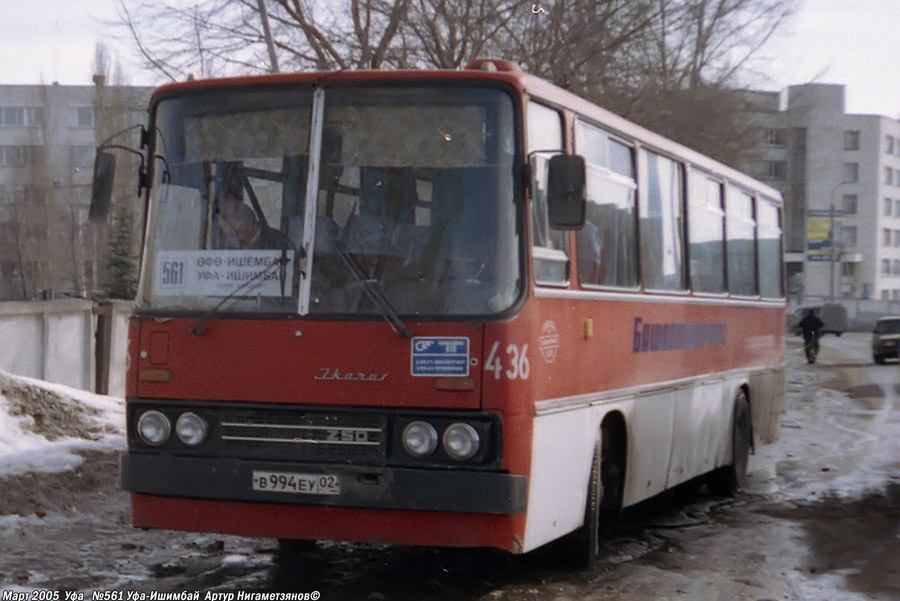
44,426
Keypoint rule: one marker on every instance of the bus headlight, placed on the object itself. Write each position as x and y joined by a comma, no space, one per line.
191,429
154,428
419,439
461,441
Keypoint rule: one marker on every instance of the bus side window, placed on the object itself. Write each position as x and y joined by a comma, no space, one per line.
740,228
706,234
607,244
662,223
549,247
769,249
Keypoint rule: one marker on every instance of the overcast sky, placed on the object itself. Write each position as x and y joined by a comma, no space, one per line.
852,42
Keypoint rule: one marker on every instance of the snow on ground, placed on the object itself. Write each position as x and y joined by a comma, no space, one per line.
43,426
833,443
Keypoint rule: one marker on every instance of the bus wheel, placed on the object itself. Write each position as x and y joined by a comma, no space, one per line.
730,479
584,543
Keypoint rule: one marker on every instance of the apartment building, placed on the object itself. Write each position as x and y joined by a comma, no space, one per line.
48,136
840,177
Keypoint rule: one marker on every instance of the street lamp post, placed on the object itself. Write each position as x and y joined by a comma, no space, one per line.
832,242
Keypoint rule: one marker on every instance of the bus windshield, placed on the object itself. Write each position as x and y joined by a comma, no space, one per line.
411,203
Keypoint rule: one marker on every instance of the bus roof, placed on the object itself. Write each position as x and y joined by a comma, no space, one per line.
500,71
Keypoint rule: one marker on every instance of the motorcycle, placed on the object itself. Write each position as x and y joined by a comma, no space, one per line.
811,347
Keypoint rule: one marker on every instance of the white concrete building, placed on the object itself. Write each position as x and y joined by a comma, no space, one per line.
840,176
48,135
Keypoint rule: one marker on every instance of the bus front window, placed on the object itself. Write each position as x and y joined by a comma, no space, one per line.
416,190
414,196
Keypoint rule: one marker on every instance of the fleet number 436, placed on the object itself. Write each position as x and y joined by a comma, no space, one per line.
517,361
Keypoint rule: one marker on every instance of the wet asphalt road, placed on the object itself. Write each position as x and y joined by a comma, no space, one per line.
820,520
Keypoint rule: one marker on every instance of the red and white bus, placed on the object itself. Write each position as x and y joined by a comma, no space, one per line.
452,308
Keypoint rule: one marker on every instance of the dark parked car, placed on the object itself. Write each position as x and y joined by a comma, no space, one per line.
885,338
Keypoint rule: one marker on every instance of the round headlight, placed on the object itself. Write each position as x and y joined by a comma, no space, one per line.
154,428
461,441
419,439
191,429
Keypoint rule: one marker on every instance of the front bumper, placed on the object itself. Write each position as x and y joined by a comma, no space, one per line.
229,479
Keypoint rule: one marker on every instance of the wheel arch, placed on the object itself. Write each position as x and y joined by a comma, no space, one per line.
745,388
613,460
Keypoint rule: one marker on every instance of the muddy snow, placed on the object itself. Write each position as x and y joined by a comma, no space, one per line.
820,519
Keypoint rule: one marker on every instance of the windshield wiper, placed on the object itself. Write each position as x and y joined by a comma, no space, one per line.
215,312
370,287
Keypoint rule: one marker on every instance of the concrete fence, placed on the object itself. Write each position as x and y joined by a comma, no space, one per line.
79,343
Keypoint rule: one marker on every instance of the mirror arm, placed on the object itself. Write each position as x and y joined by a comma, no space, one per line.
144,137
142,172
166,175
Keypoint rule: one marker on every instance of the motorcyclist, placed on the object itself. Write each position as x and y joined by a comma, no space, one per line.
811,325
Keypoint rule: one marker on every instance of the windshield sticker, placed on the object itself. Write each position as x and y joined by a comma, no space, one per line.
220,273
440,356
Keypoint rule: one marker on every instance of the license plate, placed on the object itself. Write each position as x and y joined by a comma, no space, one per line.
294,483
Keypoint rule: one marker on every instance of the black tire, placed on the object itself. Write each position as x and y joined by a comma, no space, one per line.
583,545
728,480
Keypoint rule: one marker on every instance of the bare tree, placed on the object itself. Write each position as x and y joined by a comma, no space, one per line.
446,34
685,71
211,38
672,65
113,246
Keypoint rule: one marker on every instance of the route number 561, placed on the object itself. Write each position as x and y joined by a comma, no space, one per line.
517,361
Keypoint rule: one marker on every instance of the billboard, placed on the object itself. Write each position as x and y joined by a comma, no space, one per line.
820,246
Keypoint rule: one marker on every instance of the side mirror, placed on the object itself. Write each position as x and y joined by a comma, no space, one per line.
565,192
102,188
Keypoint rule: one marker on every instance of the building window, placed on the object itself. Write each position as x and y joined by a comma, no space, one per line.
897,238
776,170
20,193
81,156
890,144
848,233
888,176
21,116
9,231
851,140
776,137
851,172
896,265
12,116
84,116
848,270
897,209
20,156
885,267
848,206
888,205
885,237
